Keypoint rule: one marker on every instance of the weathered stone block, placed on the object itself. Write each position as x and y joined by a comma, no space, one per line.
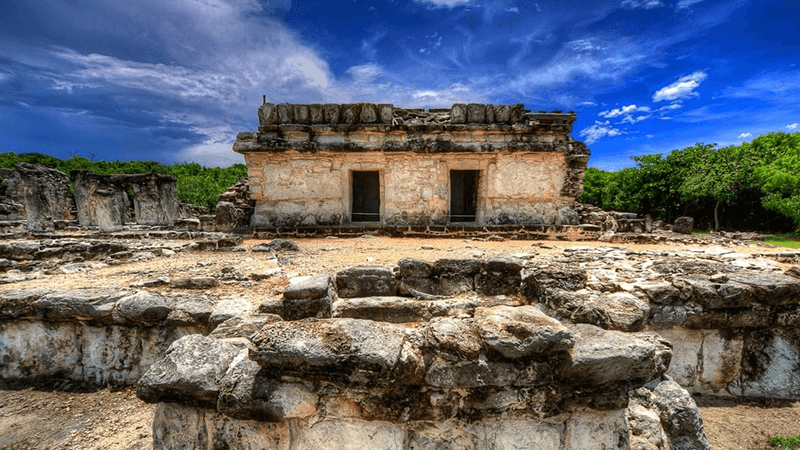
489,114
458,113
301,308
83,304
365,282
476,113
316,113
301,114
502,114
285,113
142,308
329,348
385,113
683,225
331,113
399,309
680,417
308,287
350,113
519,332
191,370
601,356
499,276
268,115
368,113
455,337
246,392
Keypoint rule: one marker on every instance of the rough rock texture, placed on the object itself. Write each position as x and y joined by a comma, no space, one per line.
683,225
191,370
730,317
235,207
38,193
99,336
309,296
345,383
102,200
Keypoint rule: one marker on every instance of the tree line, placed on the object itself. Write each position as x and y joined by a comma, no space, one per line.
755,185
196,184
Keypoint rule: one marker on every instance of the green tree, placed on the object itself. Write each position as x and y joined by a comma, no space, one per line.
779,177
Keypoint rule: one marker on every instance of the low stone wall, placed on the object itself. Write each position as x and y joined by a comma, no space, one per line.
731,318
97,336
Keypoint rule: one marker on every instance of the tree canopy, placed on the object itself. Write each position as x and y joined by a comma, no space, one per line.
746,182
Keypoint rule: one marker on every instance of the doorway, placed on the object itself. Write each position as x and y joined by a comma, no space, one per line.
366,196
463,195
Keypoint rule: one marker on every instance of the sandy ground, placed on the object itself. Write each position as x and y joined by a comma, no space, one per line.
55,416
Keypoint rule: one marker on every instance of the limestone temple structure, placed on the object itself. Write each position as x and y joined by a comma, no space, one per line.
374,164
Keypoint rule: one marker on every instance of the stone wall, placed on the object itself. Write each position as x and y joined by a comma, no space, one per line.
301,161
102,200
97,336
412,358
731,318
38,194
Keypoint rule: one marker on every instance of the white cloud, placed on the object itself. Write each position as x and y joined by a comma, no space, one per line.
582,45
513,9
792,126
681,89
623,111
631,120
365,72
445,3
671,106
588,103
745,135
598,131
211,154
682,4
645,4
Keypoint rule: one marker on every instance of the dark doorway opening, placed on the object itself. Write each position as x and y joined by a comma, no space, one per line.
366,197
463,195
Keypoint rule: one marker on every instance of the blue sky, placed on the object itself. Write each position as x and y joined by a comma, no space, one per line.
176,80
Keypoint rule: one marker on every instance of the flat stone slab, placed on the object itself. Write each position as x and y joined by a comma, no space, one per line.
603,356
329,347
524,331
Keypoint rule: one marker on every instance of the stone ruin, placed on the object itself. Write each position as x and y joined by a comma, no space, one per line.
38,198
37,194
102,200
376,165
592,348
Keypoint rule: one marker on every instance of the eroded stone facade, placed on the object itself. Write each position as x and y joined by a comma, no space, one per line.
472,163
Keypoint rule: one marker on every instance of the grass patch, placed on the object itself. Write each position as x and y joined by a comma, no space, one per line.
789,240
786,443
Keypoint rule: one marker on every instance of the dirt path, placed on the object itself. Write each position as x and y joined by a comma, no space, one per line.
46,417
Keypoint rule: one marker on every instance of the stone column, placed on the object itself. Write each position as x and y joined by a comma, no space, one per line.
156,200
47,196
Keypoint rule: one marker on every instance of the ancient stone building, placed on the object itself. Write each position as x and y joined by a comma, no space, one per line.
339,165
